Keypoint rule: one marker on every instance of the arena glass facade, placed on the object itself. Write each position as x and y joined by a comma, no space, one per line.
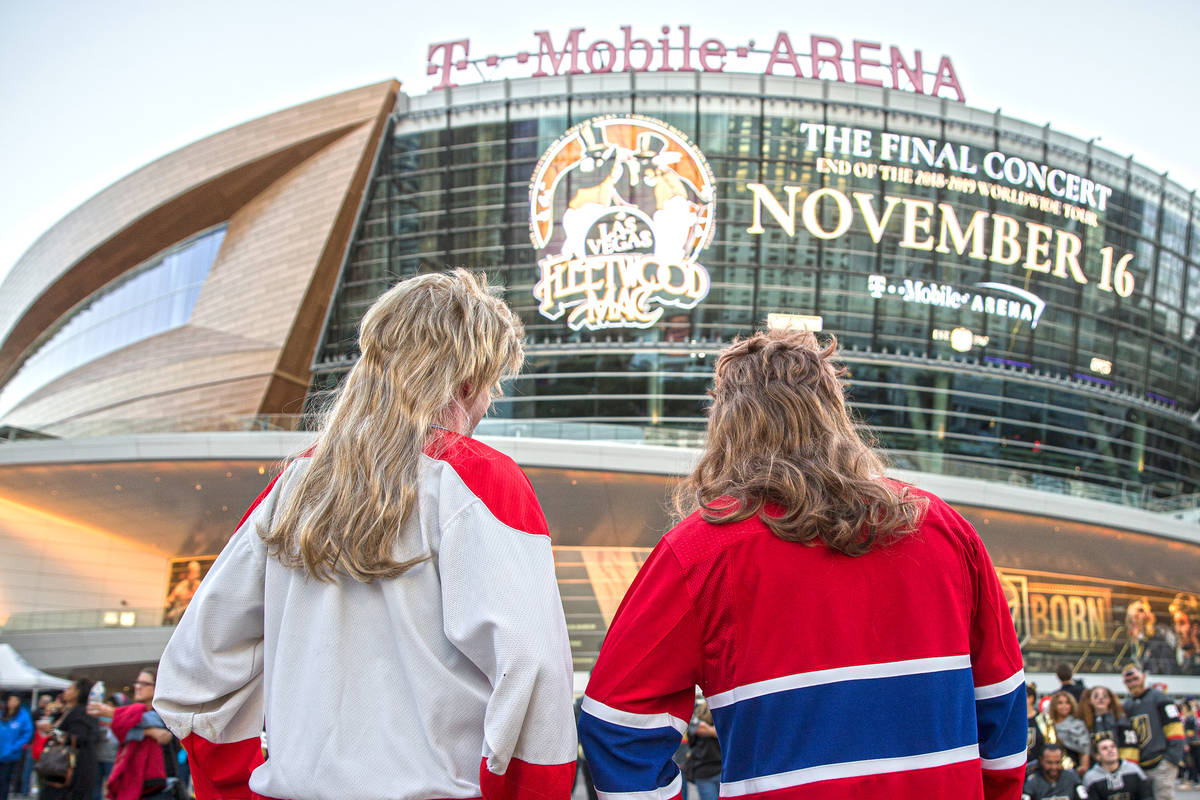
1095,399
1013,303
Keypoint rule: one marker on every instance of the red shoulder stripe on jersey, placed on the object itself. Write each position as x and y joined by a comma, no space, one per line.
263,494
522,780
494,478
222,771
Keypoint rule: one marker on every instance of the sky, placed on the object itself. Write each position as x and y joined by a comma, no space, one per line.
91,91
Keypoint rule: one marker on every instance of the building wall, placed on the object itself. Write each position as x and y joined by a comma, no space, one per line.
289,186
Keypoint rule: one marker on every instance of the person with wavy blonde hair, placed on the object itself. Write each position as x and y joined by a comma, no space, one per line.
849,632
389,602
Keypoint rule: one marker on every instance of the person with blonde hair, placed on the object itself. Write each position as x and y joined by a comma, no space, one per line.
388,606
849,632
1148,647
1061,723
1185,636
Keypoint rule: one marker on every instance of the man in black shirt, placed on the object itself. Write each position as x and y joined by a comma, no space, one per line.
1051,781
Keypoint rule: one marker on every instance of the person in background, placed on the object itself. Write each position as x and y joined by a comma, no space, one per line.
1036,738
1062,716
1050,781
1160,731
145,761
1185,634
84,735
1191,761
1104,716
389,603
1148,647
805,593
1069,683
1114,778
703,765
39,740
16,731
106,753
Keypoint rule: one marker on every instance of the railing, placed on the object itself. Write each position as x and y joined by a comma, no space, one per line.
80,619
1171,505
126,427
668,435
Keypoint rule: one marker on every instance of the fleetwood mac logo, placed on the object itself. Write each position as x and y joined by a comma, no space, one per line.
620,208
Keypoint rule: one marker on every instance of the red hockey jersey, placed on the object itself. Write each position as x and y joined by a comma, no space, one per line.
894,674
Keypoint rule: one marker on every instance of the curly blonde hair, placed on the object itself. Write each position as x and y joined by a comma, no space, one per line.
780,435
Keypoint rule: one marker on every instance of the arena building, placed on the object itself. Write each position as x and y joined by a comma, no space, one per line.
1017,308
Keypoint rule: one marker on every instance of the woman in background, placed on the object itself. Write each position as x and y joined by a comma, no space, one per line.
1069,731
83,733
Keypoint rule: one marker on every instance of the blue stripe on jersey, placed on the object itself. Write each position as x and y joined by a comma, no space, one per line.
854,720
1002,725
628,759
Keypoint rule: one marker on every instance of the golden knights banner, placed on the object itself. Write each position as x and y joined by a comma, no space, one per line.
1106,623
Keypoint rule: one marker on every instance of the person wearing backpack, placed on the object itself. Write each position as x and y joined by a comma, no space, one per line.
81,734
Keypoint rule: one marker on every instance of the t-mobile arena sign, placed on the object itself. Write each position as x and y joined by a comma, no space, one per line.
827,58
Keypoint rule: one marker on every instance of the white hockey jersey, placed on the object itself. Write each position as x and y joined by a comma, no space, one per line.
452,680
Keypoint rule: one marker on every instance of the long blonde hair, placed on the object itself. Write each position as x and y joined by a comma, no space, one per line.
420,342
779,433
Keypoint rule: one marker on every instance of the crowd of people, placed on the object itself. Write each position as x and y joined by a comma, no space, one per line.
1085,742
116,747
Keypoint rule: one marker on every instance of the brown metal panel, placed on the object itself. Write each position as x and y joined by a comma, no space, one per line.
290,203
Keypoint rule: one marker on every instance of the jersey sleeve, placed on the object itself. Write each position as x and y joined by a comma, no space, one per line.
209,685
502,610
1128,745
1172,727
999,677
642,689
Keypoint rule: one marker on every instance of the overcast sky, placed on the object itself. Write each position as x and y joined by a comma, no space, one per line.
93,90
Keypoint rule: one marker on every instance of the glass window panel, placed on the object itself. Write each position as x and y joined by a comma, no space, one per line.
143,303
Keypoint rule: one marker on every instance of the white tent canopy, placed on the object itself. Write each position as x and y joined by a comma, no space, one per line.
16,675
